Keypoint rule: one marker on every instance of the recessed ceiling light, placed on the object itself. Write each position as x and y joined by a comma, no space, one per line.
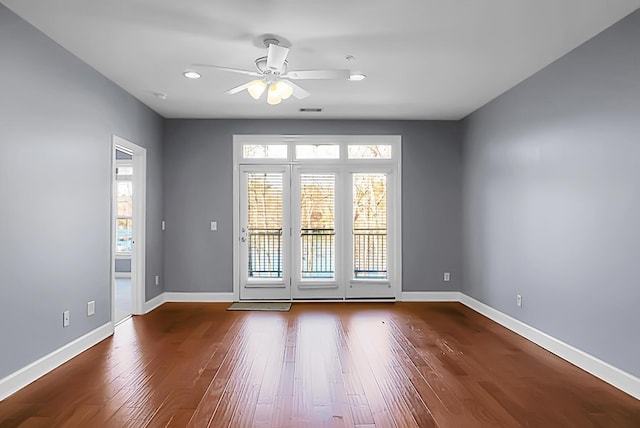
357,76
191,74
310,110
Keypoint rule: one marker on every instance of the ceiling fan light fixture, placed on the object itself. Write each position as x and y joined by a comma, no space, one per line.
256,88
273,95
284,89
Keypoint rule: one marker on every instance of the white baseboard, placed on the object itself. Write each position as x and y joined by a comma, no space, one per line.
44,365
154,303
608,373
171,296
605,371
429,296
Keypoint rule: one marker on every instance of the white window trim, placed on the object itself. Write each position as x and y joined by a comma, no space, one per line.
394,164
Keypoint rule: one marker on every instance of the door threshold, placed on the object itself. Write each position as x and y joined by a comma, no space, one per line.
320,300
346,300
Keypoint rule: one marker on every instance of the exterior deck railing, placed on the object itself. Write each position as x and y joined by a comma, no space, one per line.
370,253
265,253
318,253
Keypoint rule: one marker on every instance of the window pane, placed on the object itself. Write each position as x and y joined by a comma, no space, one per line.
264,151
124,170
124,235
369,151
125,198
317,225
370,226
264,192
317,151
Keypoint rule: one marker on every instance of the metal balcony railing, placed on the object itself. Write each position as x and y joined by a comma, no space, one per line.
370,253
265,253
318,253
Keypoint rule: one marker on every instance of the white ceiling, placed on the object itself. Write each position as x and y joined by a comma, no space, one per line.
425,59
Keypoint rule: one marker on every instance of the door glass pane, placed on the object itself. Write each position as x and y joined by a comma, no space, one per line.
264,193
317,224
370,226
317,151
124,224
124,233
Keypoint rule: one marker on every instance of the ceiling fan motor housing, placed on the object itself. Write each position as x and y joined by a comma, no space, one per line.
268,75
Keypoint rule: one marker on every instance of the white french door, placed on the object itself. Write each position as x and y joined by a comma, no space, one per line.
265,238
371,232
315,229
317,234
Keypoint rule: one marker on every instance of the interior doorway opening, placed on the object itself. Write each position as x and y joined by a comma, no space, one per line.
128,229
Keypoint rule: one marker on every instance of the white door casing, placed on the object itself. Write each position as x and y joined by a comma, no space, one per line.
138,254
377,275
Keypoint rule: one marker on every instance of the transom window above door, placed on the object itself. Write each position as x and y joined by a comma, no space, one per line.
261,149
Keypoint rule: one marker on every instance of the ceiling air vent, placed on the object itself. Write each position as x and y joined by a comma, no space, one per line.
310,110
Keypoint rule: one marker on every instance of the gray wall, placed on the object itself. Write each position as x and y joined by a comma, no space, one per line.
552,198
57,116
198,189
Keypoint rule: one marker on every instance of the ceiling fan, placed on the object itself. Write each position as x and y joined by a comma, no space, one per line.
273,76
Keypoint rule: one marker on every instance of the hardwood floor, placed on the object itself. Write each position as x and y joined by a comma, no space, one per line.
352,365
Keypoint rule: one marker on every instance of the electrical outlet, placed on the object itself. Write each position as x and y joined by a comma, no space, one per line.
65,318
157,280
91,308
519,300
447,276
214,225
163,225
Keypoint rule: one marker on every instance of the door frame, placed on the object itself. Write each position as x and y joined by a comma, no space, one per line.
138,253
395,206
324,289
267,288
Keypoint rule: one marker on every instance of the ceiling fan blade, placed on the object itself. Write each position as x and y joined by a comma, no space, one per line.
276,55
298,92
237,89
232,70
317,74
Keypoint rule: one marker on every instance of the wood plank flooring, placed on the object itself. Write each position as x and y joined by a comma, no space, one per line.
321,364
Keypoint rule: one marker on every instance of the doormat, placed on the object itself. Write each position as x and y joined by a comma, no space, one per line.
260,306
